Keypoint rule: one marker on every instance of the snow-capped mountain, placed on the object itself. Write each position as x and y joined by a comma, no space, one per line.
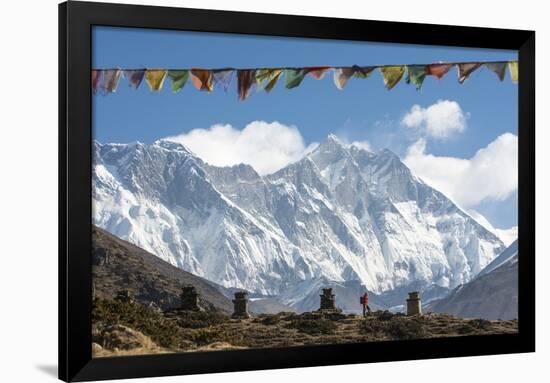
341,213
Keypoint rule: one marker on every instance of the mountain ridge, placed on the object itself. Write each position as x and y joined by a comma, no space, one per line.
341,213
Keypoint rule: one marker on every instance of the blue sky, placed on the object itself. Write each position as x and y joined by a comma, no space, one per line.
363,111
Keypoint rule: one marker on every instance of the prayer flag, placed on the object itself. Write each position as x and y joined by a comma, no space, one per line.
416,74
514,71
392,75
318,72
363,72
294,77
134,77
202,79
96,80
155,78
499,69
438,70
465,69
342,75
179,78
269,76
246,78
222,78
110,80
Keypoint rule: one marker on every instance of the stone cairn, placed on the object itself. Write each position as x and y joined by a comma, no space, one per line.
414,304
240,305
189,298
328,302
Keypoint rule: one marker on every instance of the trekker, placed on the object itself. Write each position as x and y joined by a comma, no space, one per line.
364,300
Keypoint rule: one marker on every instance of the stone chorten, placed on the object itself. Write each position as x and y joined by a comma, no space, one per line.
240,304
414,304
328,301
189,298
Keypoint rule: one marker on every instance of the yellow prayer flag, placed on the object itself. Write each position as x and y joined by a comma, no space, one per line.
392,75
514,71
155,78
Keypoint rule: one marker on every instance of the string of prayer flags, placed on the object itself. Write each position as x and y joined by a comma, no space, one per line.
107,80
134,77
96,80
222,78
499,68
155,78
246,78
178,78
465,70
438,70
514,71
342,75
111,77
392,75
269,76
202,79
293,77
416,74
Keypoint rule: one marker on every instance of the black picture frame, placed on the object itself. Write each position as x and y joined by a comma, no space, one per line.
76,20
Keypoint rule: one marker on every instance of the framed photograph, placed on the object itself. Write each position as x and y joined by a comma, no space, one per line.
245,191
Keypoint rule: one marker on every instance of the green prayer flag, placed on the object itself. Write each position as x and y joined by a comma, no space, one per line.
179,78
294,77
416,74
392,75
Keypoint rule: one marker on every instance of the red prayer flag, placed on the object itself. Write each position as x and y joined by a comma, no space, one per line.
438,70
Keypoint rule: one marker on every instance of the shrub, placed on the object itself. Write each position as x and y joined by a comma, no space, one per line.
313,326
206,336
198,319
474,326
480,324
404,329
396,328
270,320
163,332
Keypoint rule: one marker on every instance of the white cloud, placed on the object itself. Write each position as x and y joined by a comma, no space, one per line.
440,120
363,145
491,174
267,147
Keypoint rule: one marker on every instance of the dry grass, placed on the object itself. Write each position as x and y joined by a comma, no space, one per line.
211,332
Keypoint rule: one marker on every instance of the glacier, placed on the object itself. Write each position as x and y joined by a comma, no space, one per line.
340,214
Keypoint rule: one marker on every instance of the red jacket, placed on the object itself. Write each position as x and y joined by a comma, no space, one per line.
365,299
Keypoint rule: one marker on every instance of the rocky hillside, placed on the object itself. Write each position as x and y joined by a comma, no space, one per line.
119,328
119,265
